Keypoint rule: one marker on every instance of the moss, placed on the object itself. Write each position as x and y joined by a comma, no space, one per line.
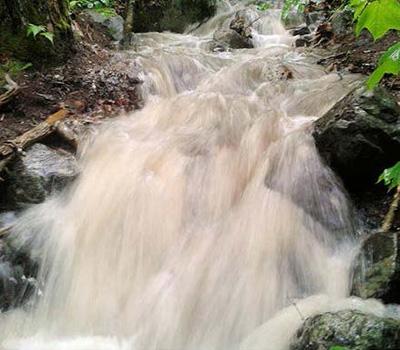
13,68
349,328
63,25
172,15
51,14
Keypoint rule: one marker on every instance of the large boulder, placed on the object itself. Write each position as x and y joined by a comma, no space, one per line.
230,39
377,268
170,15
242,22
239,33
360,136
113,23
348,329
38,173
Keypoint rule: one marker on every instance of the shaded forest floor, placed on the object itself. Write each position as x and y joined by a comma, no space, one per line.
351,53
97,82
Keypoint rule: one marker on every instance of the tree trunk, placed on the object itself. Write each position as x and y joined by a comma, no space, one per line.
128,23
16,15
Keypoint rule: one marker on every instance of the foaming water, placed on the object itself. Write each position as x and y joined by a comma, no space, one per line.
205,220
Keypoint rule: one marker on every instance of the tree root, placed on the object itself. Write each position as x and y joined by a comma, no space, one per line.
389,218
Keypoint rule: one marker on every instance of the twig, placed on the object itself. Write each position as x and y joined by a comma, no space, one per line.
297,308
338,55
11,92
10,148
389,218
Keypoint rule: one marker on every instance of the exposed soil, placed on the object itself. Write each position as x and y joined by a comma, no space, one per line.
361,55
355,54
96,83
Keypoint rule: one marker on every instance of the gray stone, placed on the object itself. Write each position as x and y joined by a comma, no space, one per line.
349,329
38,173
376,272
300,30
113,24
17,270
342,22
360,136
303,41
243,21
232,39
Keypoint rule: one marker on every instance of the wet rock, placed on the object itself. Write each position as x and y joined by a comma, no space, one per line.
38,173
170,15
303,41
17,270
229,38
377,268
113,23
349,329
300,30
238,35
216,46
242,23
360,136
304,36
342,22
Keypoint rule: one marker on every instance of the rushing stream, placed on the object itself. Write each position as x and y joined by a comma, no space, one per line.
205,221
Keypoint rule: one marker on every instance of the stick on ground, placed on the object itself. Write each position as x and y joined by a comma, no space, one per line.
10,148
12,91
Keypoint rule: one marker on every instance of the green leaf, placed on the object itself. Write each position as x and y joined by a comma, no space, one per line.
389,63
298,5
49,36
337,347
34,30
73,4
377,16
263,6
391,177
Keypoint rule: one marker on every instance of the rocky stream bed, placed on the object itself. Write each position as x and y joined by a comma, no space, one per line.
357,138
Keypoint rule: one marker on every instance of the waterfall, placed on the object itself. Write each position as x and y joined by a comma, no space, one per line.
205,221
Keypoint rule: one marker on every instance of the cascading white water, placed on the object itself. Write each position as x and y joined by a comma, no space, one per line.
204,221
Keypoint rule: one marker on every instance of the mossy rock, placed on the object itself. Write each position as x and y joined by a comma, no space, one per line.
348,329
377,268
360,136
39,173
170,15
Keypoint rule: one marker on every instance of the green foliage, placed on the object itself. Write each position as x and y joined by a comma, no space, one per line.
12,68
90,4
263,6
377,16
288,5
34,30
106,11
391,177
389,63
337,347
